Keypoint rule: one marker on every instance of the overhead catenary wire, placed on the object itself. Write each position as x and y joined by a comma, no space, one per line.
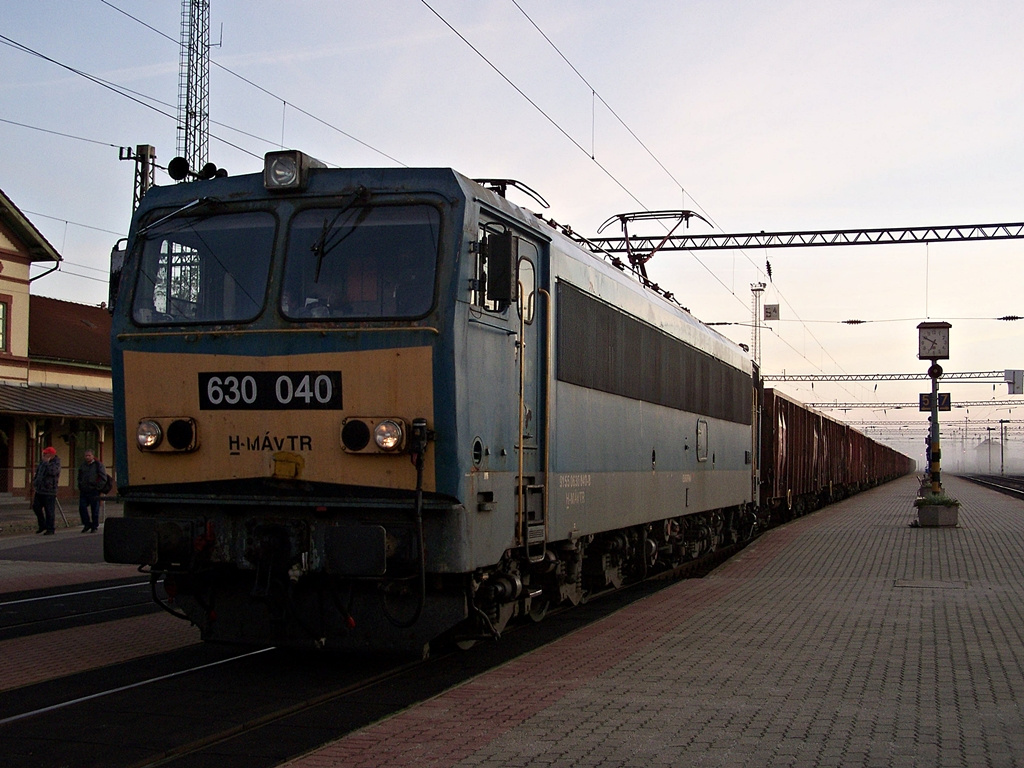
534,104
263,90
647,149
119,90
58,133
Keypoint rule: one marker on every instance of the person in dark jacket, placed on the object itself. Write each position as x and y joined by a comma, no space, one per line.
92,476
44,484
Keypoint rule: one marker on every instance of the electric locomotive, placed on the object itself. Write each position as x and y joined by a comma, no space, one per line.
367,408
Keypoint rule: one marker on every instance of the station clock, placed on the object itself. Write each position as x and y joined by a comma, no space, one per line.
933,341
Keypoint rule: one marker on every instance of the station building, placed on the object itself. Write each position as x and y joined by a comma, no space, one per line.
55,385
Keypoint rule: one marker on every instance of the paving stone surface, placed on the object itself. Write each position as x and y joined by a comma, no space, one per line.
843,638
64,562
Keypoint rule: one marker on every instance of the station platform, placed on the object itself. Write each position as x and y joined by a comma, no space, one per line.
17,517
31,561
846,638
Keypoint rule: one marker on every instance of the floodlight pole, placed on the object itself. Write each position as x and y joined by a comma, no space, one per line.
935,371
756,289
1002,446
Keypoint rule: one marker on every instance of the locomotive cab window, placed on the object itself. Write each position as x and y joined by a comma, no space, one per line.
204,269
361,262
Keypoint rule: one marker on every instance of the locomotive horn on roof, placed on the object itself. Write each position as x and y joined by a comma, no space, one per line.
178,170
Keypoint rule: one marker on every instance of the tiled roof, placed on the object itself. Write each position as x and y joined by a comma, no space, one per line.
63,330
49,400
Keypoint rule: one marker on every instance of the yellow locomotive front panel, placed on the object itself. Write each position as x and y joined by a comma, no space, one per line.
296,417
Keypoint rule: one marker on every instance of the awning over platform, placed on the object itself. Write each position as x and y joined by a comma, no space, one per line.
56,401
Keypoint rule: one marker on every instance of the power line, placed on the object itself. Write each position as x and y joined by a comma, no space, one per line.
74,223
131,95
677,182
260,88
599,97
565,133
58,133
118,89
534,104
104,280
92,78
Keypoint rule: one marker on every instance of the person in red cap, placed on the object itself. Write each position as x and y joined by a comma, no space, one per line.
44,484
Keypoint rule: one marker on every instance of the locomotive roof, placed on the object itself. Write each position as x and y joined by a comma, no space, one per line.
651,306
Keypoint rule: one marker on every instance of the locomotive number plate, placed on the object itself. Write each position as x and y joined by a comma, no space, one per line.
270,391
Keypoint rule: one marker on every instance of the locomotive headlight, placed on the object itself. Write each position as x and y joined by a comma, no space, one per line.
287,170
148,435
388,435
282,171
373,435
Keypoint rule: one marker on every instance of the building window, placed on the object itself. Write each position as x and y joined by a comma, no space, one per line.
5,317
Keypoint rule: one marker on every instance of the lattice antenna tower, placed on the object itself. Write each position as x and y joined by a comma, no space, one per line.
194,84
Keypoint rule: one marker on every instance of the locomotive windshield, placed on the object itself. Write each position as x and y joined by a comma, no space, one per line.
344,263
204,269
361,262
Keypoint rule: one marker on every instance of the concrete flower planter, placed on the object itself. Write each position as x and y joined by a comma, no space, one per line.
936,515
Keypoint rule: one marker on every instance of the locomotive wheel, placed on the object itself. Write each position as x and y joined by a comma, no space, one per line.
539,609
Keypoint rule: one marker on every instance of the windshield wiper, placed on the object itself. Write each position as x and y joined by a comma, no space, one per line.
187,207
321,248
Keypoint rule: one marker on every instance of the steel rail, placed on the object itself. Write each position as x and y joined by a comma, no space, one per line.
128,687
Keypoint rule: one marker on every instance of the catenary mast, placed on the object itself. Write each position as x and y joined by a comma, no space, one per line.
194,84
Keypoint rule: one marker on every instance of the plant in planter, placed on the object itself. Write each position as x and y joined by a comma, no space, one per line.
937,509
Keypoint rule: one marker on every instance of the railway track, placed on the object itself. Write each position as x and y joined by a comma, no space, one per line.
1011,485
268,704
199,704
30,613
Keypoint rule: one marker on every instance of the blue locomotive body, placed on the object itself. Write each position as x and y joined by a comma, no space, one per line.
367,408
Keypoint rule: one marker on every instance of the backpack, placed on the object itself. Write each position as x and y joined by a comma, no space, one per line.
108,484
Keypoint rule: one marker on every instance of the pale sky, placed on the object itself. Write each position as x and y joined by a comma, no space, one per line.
762,116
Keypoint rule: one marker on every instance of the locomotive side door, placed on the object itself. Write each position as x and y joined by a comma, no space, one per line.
531,362
509,319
